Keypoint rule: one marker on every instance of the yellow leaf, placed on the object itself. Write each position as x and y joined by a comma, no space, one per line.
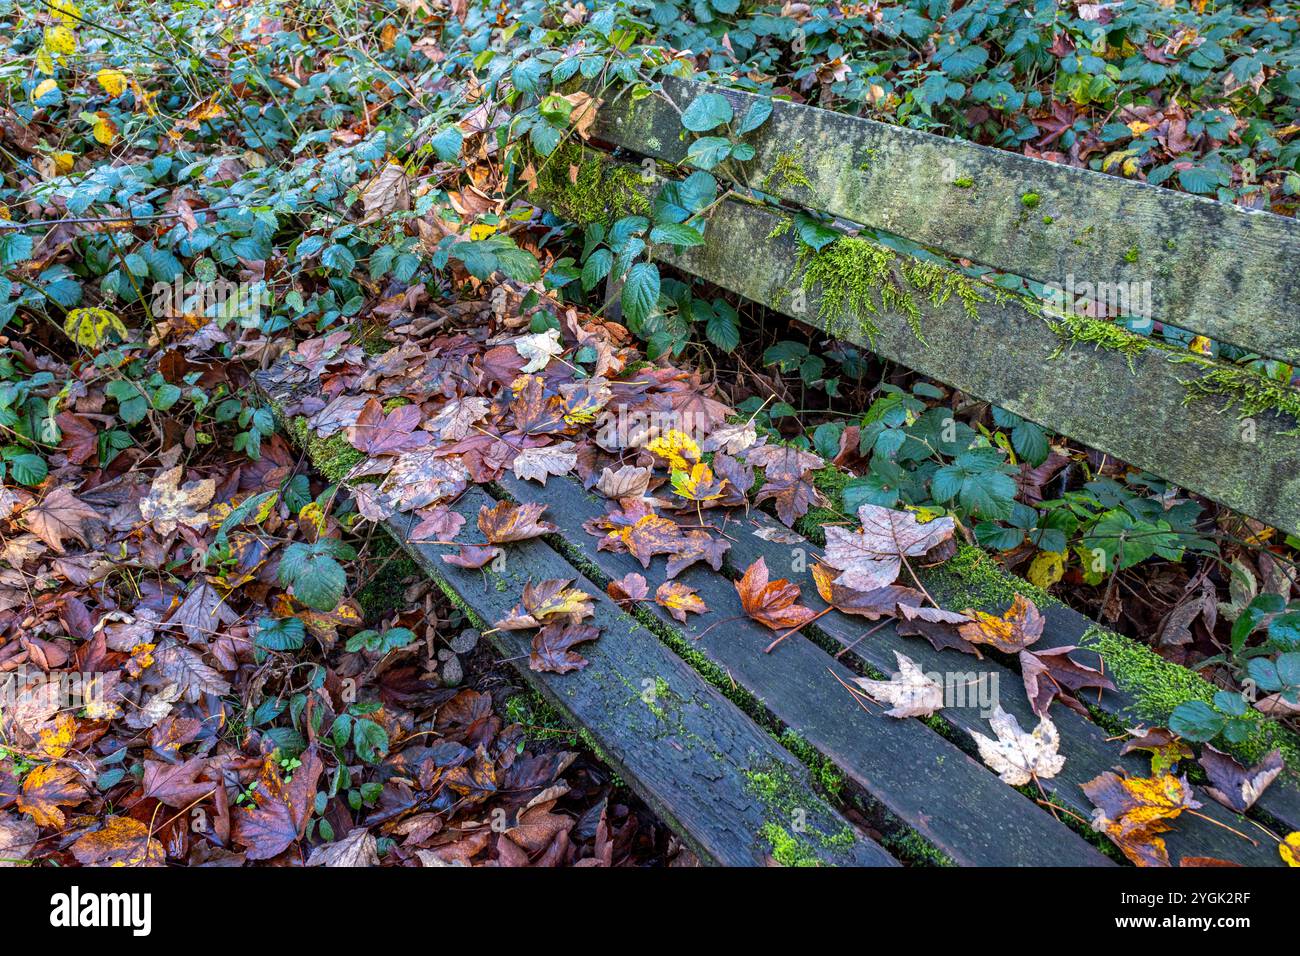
61,40
65,10
90,328
1046,569
105,129
481,230
677,447
63,162
42,88
1289,849
312,515
1200,345
44,62
57,740
388,36
113,81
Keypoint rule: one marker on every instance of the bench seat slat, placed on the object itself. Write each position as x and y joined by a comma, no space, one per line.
1085,746
923,779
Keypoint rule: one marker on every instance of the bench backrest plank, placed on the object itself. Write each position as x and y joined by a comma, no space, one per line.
1215,269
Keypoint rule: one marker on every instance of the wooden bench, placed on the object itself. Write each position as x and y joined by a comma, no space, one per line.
717,736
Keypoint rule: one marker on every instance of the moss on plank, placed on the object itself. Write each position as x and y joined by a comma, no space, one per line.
580,186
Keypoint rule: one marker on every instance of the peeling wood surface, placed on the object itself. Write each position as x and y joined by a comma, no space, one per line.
926,781
1220,270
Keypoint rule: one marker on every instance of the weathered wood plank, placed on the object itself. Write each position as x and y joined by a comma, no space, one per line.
1217,269
1012,358
685,749
923,779
1085,747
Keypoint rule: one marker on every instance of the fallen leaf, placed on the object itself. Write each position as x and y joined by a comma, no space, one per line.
1018,757
1235,786
679,598
1289,849
18,837
280,810
1132,811
628,482
1165,747
1011,633
773,604
538,464
376,432
552,647
169,503
121,841
873,557
472,555
910,692
547,602
507,522
358,849
46,789
1052,673
538,349
387,193
628,589
59,515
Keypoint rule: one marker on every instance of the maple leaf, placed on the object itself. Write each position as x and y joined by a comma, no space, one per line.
376,433
358,848
120,841
174,783
1018,757
193,678
679,598
80,438
675,447
436,524
698,484
697,546
472,555
628,589
1132,811
873,557
423,478
508,522
552,649
1011,633
342,412
910,692
872,605
545,602
1235,786
59,515
457,418
1052,673
784,463
651,534
538,464
793,497
281,811
46,789
203,613
170,504
771,603
732,439
537,350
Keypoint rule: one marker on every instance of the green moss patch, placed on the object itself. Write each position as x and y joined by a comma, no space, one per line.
600,190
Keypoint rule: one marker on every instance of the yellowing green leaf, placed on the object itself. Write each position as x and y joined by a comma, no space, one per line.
1046,569
113,81
61,40
90,328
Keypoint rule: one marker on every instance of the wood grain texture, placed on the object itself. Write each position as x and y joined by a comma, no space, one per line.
923,779
1220,270
1085,746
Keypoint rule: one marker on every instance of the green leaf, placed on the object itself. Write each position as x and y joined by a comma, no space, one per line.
723,330
28,469
370,739
596,268
676,234
1197,721
280,634
707,111
317,579
640,291
755,116
707,151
